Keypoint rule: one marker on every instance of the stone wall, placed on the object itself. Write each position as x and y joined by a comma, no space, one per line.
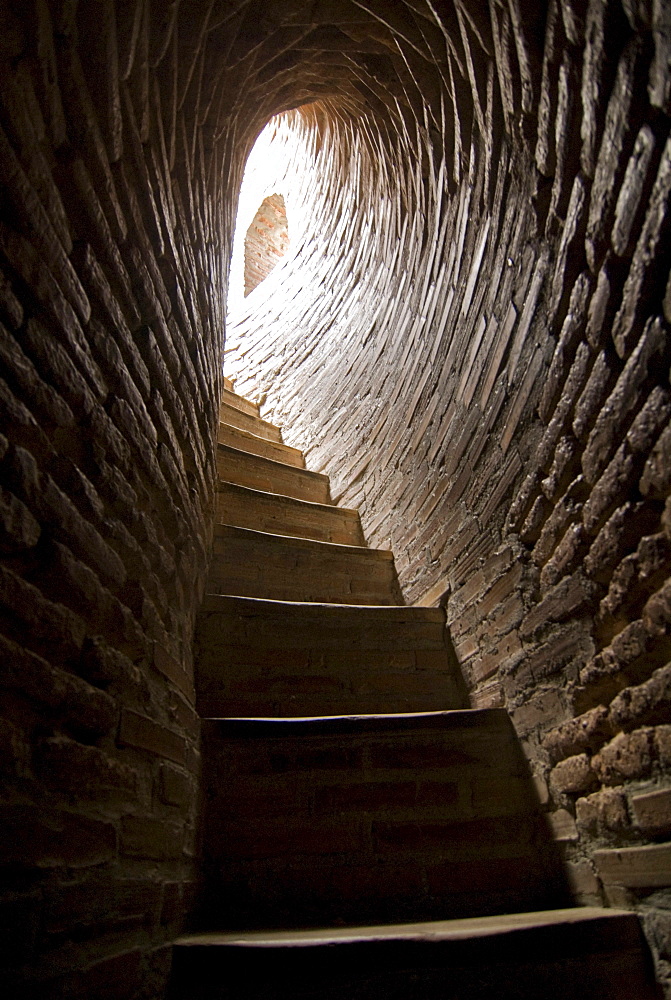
111,293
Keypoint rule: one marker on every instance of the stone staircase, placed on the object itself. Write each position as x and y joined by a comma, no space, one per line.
365,835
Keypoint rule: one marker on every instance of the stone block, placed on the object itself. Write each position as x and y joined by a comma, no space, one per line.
143,733
646,867
583,882
562,826
85,771
573,775
656,478
41,838
176,788
539,712
611,159
629,198
585,732
152,838
626,757
625,397
647,703
659,86
605,810
652,811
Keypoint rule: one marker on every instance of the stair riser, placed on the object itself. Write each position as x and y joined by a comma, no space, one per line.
240,403
281,516
257,658
257,473
249,422
600,964
287,570
232,437
248,681
369,825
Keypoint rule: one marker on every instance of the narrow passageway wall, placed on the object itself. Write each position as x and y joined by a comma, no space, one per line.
112,285
475,346
480,360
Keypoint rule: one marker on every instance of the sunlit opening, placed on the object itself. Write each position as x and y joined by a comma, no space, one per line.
266,241
271,179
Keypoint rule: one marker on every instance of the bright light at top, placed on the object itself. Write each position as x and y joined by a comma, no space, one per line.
271,169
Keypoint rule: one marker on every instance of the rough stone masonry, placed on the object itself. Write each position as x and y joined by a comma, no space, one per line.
479,359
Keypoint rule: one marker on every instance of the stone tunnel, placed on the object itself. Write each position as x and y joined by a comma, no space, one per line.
470,335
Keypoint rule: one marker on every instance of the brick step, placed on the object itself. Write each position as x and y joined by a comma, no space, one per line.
258,473
229,414
257,564
379,818
283,515
239,402
272,658
234,437
546,955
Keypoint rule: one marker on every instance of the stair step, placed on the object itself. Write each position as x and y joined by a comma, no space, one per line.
240,403
258,473
274,658
250,563
229,414
381,818
234,437
544,955
284,515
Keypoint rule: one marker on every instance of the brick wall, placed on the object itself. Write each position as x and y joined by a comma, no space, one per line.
266,242
489,382
111,292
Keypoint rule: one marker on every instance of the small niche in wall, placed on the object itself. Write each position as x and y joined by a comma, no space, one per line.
266,241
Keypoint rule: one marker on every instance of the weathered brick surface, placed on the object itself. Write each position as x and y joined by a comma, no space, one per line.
576,327
443,800
106,467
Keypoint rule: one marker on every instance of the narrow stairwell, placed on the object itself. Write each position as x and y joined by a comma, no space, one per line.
366,835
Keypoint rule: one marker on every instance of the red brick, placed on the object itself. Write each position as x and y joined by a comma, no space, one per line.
573,775
628,756
144,734
46,838
147,837
603,810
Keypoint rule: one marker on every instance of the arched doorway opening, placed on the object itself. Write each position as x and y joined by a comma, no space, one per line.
266,241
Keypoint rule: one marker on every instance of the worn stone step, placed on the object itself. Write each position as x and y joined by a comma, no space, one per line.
284,515
234,437
273,658
229,414
558,954
380,818
228,384
251,563
240,403
258,473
